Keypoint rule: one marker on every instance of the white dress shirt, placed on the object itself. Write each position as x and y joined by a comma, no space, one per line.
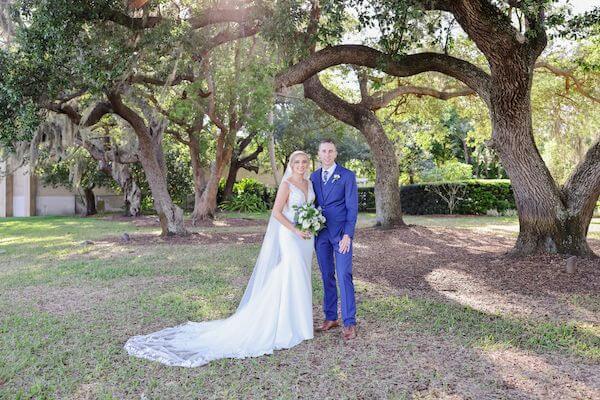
329,172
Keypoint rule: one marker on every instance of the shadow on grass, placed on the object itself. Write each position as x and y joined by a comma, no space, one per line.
407,347
480,329
406,259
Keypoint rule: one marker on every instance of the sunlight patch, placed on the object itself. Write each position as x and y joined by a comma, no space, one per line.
544,377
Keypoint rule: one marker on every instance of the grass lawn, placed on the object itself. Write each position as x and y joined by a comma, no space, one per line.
67,306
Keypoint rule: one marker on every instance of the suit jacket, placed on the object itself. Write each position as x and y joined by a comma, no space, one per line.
338,200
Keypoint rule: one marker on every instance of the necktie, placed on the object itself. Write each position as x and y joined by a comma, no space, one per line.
325,174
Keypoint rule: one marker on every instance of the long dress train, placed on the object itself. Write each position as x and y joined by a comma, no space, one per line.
274,313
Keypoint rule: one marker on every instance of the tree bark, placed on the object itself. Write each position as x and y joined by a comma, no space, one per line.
549,220
133,195
387,174
238,162
90,201
273,159
387,190
170,216
207,205
199,171
131,191
234,167
121,173
152,159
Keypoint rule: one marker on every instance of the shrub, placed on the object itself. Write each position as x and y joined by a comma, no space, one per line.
479,197
450,171
245,202
451,193
247,194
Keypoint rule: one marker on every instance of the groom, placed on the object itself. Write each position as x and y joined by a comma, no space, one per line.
337,195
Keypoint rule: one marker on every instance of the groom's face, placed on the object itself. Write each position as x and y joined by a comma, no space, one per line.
327,154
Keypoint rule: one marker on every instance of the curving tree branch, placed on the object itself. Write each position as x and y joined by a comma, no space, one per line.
225,36
382,99
210,16
471,75
569,76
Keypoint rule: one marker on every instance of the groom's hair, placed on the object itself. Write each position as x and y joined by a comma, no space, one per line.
327,140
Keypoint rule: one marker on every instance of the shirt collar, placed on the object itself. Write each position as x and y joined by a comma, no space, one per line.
330,169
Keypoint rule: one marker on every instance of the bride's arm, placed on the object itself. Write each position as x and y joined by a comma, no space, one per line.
280,200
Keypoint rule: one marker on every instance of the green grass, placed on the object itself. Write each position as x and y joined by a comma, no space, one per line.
477,328
66,310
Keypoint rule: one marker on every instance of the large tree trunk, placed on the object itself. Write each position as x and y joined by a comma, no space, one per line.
548,224
132,193
552,219
234,167
90,201
387,190
133,196
238,162
199,171
387,174
207,206
152,159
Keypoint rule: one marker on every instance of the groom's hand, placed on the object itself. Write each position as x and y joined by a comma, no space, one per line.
344,244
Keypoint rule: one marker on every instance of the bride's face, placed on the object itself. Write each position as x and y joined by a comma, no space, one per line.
300,164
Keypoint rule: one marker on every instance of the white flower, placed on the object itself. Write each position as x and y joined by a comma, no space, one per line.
309,218
336,177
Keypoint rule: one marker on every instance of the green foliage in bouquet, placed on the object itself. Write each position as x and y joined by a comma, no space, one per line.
308,218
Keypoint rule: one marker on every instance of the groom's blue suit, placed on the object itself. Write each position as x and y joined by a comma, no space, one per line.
338,199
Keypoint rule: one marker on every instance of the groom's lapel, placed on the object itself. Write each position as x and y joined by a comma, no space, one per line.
319,185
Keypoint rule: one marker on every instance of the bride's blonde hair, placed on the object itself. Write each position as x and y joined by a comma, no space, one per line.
296,154
293,156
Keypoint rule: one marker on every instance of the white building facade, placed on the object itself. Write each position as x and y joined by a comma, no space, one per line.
23,195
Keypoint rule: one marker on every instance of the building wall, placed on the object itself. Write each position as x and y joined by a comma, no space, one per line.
2,197
2,189
55,205
23,195
54,200
110,202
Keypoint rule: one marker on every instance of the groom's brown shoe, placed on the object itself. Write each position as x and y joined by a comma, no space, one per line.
349,332
327,325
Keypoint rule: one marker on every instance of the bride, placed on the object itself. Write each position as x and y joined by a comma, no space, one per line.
276,309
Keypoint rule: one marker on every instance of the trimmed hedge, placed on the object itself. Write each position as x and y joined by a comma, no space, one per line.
480,196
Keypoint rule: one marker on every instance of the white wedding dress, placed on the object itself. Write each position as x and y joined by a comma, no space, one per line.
274,313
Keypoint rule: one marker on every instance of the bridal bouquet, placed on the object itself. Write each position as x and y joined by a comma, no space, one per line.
309,218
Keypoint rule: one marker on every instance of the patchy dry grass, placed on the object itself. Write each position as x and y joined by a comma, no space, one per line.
442,314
